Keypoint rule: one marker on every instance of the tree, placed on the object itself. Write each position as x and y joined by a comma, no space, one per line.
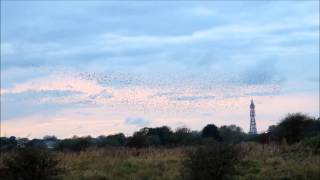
111,140
183,136
231,134
8,144
153,140
211,131
162,135
294,128
137,141
50,138
74,144
36,143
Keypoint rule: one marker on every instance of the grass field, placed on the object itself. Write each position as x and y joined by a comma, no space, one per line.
123,164
257,162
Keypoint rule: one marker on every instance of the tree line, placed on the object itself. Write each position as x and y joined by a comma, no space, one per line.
293,128
212,153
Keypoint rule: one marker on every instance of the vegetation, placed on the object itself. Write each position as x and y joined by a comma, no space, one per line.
123,164
294,128
288,150
29,164
211,161
274,161
211,131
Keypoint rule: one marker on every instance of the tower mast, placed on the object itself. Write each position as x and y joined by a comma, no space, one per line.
253,129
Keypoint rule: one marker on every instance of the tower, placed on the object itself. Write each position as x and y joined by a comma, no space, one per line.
253,129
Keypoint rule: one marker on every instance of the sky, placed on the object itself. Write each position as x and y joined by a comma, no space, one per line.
104,67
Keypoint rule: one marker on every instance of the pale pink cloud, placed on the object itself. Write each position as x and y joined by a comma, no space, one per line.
109,119
68,82
106,115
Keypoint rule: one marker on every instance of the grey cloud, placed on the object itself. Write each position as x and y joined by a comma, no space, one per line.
263,72
314,79
25,104
165,94
103,94
137,121
45,93
191,98
273,93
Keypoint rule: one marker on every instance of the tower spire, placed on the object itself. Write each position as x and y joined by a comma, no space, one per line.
253,129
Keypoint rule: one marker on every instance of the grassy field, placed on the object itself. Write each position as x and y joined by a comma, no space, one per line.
257,162
278,162
123,164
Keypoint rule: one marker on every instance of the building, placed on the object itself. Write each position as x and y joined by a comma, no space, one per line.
253,128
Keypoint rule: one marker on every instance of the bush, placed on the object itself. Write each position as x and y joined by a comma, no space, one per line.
211,161
29,164
313,142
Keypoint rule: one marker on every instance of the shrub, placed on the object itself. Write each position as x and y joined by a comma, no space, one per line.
29,164
211,161
313,142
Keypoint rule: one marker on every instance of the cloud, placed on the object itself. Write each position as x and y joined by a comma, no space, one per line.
262,94
263,72
57,89
137,121
55,82
107,120
314,79
7,49
125,46
191,98
129,64
203,11
165,94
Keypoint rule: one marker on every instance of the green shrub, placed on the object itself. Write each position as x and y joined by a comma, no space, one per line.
313,142
29,164
211,161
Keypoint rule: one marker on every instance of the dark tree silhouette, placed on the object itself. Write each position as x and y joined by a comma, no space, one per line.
294,128
231,134
211,131
137,141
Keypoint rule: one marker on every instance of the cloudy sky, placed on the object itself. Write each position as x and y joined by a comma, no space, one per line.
79,67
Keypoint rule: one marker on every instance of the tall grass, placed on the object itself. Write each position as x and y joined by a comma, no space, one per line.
257,162
123,164
278,162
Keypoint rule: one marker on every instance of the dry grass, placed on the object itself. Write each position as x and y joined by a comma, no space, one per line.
118,164
278,162
258,162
